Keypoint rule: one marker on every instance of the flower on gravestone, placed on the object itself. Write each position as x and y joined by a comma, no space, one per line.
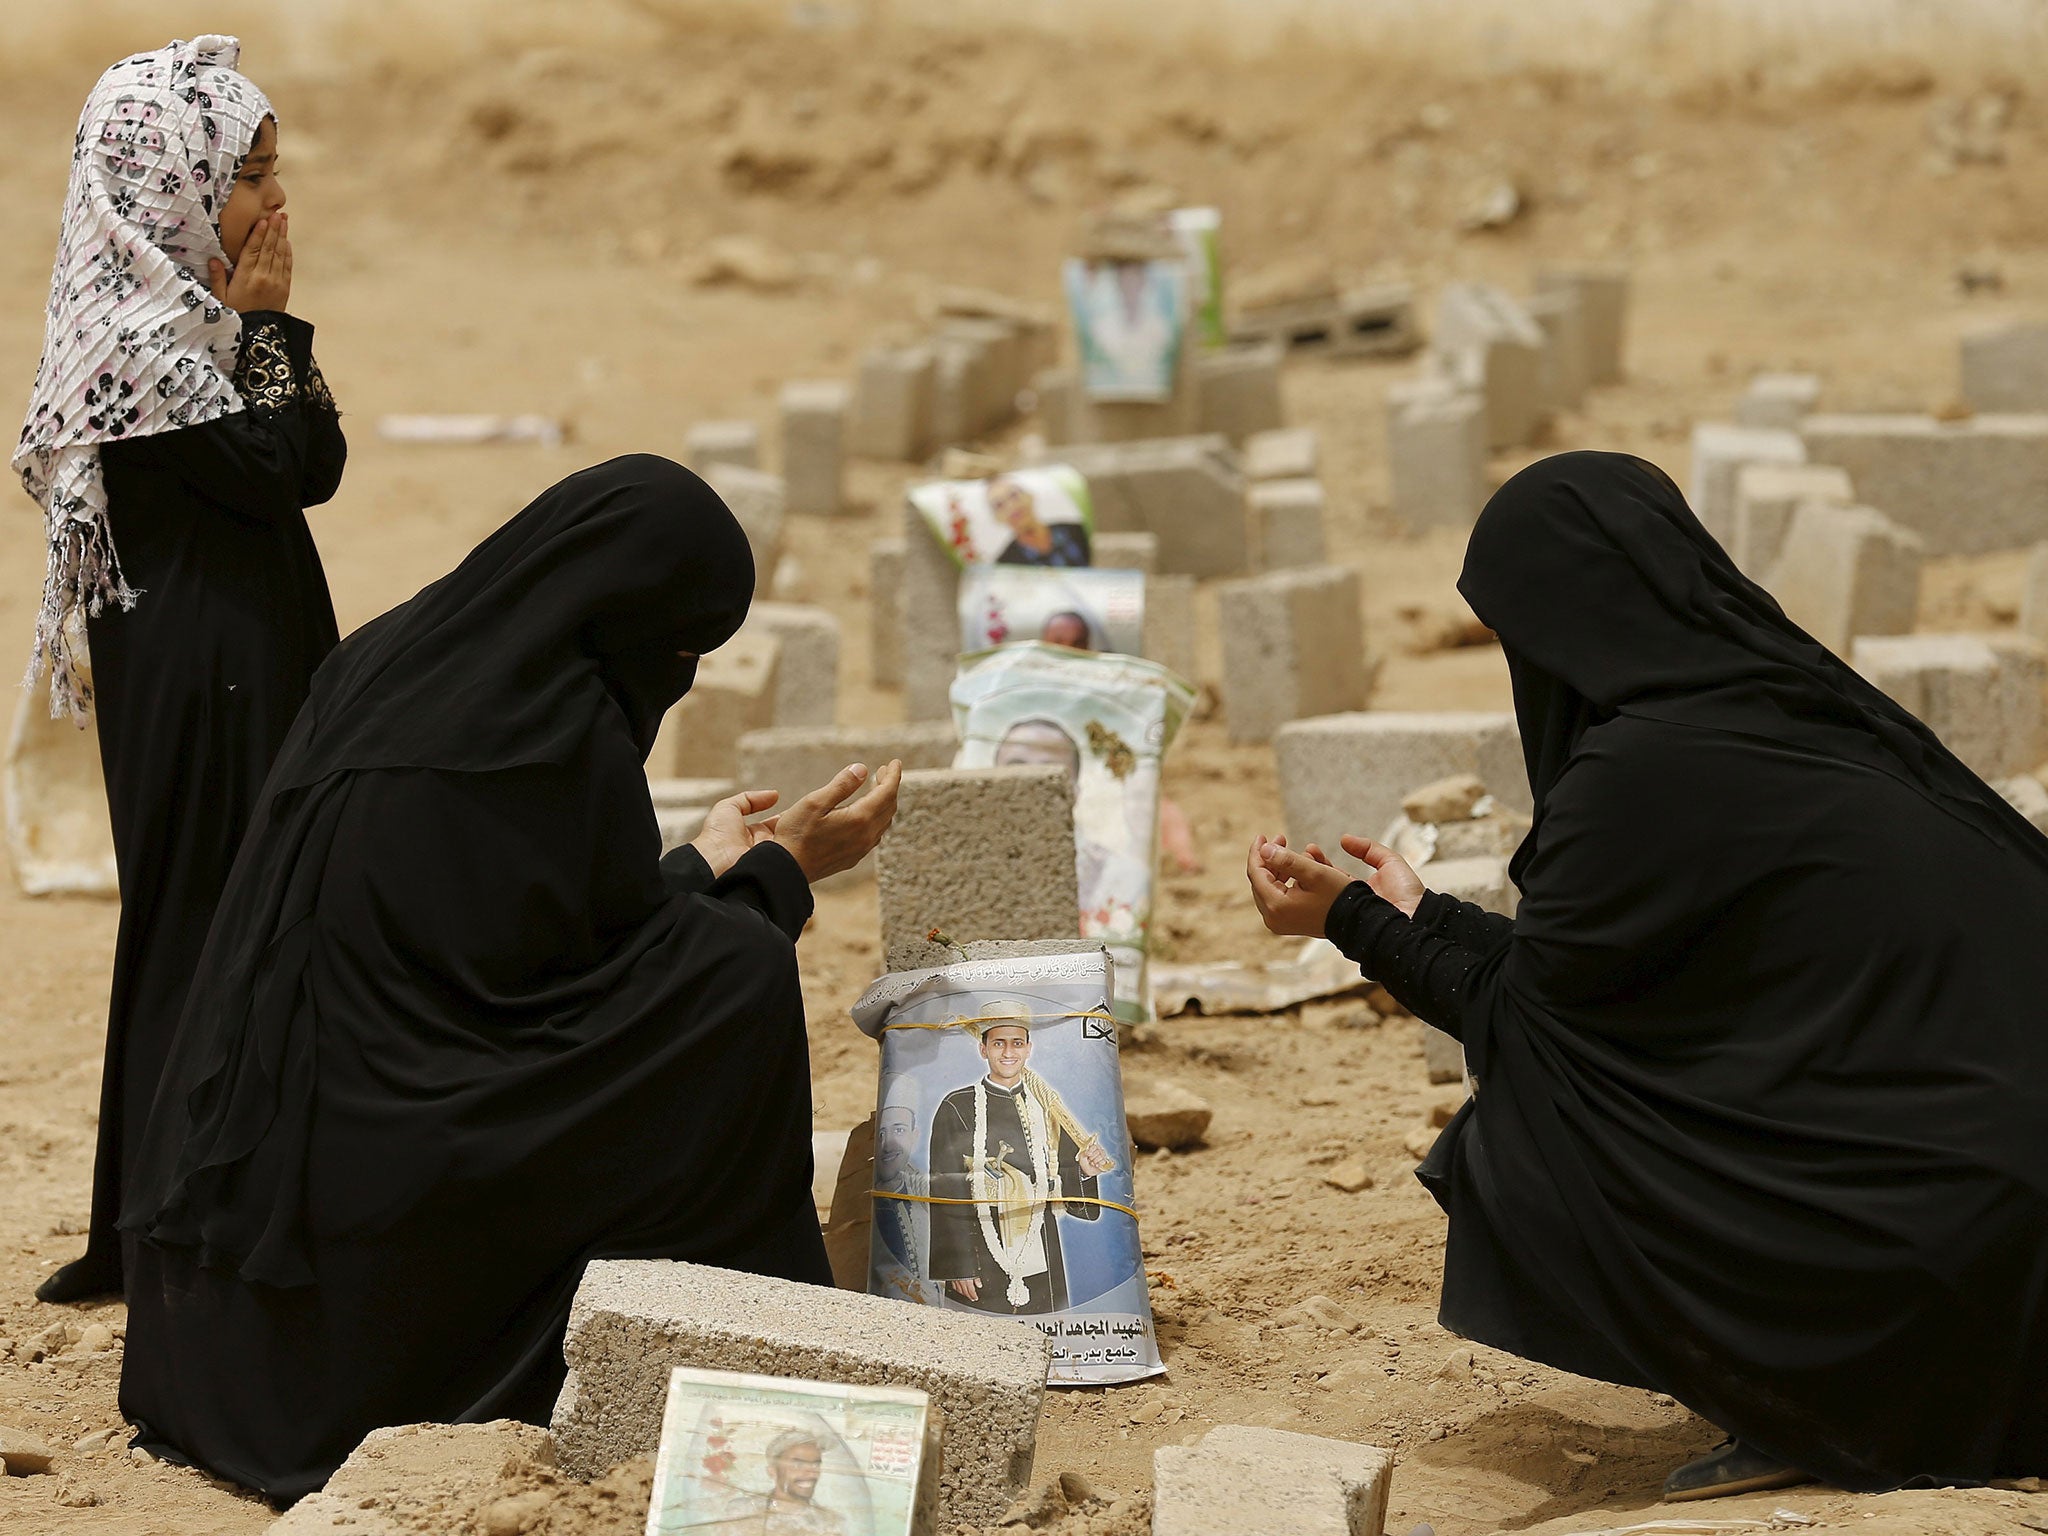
940,936
1114,751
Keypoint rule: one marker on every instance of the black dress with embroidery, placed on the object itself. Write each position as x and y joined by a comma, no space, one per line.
195,688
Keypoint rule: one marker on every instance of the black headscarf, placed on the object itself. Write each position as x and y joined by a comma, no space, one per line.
587,605
1762,1118
1610,598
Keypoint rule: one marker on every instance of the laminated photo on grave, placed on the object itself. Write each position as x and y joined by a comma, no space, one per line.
1107,721
745,1455
1130,321
1038,516
1002,1161
1081,610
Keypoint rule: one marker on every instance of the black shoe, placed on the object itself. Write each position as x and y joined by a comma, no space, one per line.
95,1277
1730,1467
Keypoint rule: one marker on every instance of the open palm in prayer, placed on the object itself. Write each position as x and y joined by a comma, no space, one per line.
1295,890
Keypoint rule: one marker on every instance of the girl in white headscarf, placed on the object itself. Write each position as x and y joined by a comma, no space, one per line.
177,430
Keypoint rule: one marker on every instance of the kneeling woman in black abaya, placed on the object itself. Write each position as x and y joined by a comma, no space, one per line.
1762,1107
459,1028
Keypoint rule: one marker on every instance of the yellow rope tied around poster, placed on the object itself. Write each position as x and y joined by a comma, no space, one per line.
890,1194
1005,1018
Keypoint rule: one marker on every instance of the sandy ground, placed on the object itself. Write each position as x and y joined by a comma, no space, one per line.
520,238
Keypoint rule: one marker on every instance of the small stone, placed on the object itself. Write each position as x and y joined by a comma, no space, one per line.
1443,1111
1350,1176
96,1440
1164,1114
1146,1413
1418,1142
95,1339
508,1517
1078,1491
1450,799
1458,1367
23,1453
74,1495
1318,1312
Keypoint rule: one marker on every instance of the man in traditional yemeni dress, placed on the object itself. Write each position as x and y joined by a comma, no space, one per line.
1008,1146
902,1228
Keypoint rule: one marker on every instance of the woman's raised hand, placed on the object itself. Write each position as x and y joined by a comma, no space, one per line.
827,835
727,835
1392,876
1294,891
263,276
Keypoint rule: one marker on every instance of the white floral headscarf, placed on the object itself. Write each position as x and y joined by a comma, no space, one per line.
135,342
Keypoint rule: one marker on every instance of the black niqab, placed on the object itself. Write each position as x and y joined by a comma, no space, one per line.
1762,1118
459,1028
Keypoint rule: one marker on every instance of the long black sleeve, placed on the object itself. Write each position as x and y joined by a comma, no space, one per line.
1426,971
767,878
283,452
1464,923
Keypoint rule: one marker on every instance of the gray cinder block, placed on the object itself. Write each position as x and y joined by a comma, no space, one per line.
1442,1056
1287,523
1289,453
917,954
1481,879
1603,306
1981,694
1237,391
1436,454
2006,369
1125,552
1349,773
1246,1481
807,673
1293,646
1055,390
814,446
959,380
1187,490
993,371
1169,635
1376,320
1484,335
680,804
2034,595
635,1319
885,618
758,501
463,1463
1561,314
1766,496
722,442
1719,450
1847,571
1966,487
892,404
734,693
981,853
928,621
794,760
1780,400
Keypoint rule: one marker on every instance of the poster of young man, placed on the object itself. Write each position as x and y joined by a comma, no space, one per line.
1040,516
1026,1165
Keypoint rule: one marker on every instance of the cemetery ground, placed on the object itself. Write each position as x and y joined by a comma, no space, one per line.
480,245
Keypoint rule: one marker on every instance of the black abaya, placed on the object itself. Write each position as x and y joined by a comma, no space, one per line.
459,1028
195,688
1762,1115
